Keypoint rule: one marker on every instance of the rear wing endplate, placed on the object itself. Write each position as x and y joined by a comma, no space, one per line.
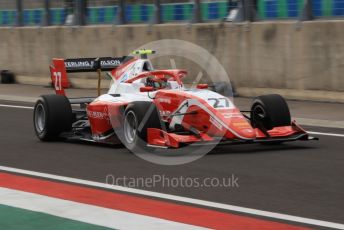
60,67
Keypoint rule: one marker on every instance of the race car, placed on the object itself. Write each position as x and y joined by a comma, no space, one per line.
148,108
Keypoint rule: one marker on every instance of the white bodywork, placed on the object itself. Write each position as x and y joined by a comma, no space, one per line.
131,91
129,72
128,92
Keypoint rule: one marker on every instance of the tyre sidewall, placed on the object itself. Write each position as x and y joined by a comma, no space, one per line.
276,110
153,121
41,135
58,116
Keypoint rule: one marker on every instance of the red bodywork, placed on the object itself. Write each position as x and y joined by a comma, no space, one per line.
59,76
236,126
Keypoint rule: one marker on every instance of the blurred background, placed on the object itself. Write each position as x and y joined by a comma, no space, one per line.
293,47
86,12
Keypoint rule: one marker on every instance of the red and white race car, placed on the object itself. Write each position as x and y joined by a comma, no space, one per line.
147,107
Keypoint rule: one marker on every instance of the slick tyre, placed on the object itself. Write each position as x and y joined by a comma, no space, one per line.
269,111
52,116
138,117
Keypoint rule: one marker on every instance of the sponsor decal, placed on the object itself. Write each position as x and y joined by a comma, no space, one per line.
78,64
242,124
165,100
231,115
88,63
98,114
95,114
110,63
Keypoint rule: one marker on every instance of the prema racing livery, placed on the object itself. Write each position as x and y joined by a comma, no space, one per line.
148,108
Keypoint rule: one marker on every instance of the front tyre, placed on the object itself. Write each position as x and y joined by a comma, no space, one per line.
269,111
52,116
138,117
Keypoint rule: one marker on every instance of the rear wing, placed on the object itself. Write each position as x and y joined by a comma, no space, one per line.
93,64
60,67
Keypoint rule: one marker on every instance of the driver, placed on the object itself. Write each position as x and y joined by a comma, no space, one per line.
156,83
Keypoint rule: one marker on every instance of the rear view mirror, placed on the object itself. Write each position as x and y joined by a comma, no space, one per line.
146,89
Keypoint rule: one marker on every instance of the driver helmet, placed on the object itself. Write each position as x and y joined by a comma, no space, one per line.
156,83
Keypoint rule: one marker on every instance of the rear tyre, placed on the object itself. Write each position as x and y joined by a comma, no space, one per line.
52,116
138,117
269,111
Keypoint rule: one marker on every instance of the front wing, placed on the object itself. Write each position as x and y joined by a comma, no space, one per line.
163,139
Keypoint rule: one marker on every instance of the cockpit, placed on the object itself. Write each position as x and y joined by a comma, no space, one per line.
140,73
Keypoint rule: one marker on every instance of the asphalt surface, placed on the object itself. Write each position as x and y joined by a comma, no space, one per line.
299,109
300,178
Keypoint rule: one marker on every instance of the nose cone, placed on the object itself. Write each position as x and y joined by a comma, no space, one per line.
241,128
248,133
237,125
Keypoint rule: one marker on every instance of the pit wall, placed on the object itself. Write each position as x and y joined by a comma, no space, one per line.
265,55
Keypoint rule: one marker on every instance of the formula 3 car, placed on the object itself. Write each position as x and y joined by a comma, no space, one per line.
145,107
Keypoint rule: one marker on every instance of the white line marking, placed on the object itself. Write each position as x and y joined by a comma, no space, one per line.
326,134
320,122
16,106
86,213
251,211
